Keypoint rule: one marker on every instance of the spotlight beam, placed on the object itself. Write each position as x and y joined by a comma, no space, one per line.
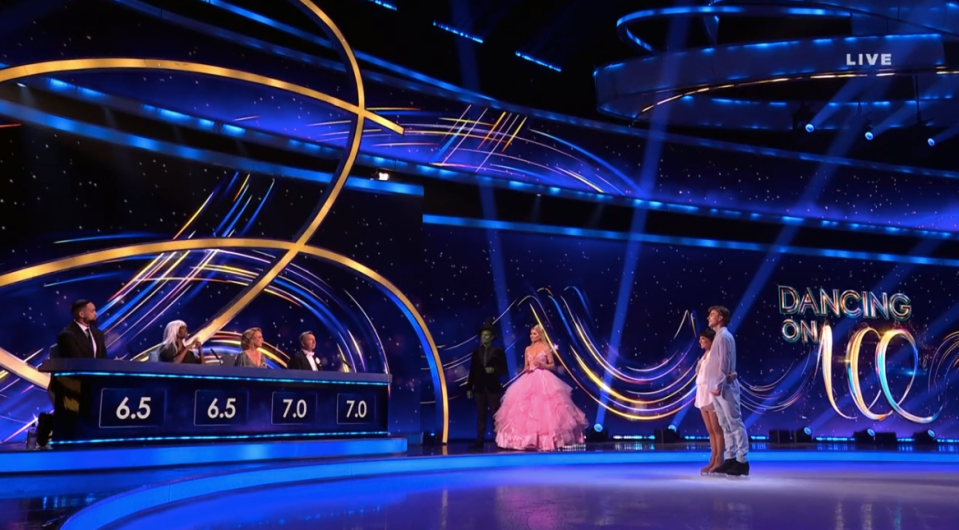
678,31
839,147
499,275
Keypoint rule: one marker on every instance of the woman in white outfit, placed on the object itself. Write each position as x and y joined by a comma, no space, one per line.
704,402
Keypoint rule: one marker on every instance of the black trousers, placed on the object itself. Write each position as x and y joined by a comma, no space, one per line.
487,401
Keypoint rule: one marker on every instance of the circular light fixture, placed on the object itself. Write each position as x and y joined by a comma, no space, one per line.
931,142
869,135
598,428
810,127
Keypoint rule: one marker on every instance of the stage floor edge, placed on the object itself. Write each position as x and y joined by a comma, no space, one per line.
107,511
118,458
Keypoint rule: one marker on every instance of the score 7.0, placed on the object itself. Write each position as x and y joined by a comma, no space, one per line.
143,411
356,408
294,408
360,408
299,412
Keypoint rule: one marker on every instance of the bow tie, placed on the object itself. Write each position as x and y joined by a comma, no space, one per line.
308,353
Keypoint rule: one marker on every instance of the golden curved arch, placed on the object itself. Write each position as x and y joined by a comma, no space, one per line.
292,249
27,372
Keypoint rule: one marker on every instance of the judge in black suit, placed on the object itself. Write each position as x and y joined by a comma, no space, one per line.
487,366
304,358
80,339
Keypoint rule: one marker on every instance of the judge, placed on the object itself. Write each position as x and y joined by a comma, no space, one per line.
175,349
487,366
304,358
80,339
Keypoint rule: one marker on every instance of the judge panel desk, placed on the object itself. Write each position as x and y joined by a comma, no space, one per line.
99,401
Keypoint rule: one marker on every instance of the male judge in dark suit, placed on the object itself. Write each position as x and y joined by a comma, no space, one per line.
487,366
80,339
304,358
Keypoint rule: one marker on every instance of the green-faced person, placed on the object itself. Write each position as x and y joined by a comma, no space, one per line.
487,366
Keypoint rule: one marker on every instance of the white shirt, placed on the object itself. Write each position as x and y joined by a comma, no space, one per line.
722,359
309,357
84,328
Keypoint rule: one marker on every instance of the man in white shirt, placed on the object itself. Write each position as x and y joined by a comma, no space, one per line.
305,359
726,393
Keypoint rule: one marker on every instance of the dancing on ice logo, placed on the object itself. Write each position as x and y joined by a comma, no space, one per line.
802,310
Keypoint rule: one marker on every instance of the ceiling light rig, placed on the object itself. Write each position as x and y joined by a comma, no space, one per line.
730,85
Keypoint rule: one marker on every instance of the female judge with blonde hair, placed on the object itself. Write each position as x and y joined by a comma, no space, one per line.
250,342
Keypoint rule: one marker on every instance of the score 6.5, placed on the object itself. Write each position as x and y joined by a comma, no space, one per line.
220,407
132,407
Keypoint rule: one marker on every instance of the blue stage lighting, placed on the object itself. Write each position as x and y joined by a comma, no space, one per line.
810,127
672,428
384,4
532,59
927,437
931,142
871,433
869,135
458,33
597,435
807,430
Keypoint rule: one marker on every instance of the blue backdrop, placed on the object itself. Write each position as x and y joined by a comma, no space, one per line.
64,195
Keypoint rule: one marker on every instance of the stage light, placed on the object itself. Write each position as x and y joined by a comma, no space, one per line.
382,175
869,135
669,435
21,85
866,436
802,118
927,437
931,142
803,436
597,435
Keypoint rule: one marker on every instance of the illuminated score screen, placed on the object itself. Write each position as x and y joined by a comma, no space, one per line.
157,407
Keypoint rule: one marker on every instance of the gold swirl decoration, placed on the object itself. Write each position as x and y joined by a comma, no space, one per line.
853,352
290,249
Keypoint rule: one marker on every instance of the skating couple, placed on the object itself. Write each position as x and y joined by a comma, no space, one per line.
717,397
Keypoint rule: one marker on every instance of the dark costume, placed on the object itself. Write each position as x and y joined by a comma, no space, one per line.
486,387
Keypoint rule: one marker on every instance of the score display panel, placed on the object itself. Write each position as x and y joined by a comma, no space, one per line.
116,402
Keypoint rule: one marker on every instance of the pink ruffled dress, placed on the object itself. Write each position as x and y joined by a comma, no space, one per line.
538,411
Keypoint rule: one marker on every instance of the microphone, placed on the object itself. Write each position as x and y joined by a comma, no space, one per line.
215,354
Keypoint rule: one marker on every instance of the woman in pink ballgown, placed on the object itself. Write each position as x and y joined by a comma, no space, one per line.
537,411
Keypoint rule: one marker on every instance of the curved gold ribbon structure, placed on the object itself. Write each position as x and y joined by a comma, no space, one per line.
290,249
